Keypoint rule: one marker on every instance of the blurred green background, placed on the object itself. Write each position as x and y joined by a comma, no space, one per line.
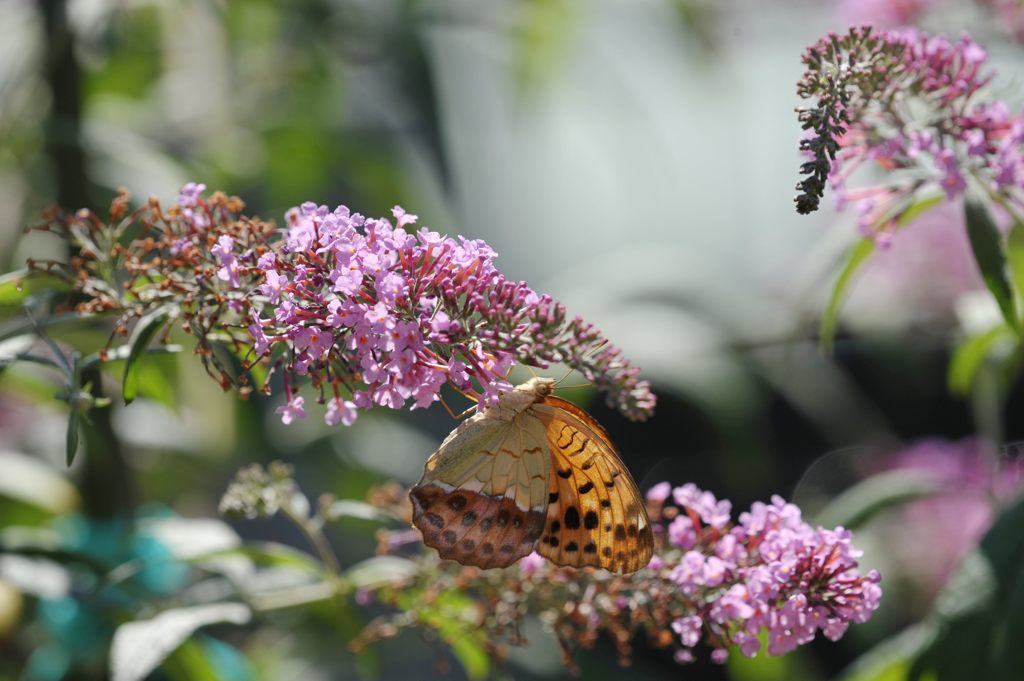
634,159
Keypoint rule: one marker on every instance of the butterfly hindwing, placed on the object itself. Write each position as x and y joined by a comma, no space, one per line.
483,494
595,514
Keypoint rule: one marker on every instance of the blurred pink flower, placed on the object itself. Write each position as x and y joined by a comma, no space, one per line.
924,268
883,13
946,525
530,563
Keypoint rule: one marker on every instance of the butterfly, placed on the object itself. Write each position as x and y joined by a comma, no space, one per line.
532,472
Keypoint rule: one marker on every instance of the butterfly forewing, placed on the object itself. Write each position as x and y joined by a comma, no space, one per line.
483,494
595,515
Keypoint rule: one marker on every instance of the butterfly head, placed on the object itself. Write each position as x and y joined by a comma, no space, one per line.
538,387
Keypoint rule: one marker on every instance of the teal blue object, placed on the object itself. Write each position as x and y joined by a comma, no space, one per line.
228,661
76,627
160,573
50,662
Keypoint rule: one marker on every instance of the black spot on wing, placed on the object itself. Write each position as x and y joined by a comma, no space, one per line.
572,518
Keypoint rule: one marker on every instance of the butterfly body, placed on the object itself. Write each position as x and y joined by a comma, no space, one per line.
532,472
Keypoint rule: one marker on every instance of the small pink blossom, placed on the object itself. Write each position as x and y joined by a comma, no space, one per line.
292,410
229,264
340,411
531,562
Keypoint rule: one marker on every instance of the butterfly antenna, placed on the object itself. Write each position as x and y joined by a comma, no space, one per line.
566,375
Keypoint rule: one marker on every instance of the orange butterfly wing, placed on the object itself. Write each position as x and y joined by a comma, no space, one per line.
596,515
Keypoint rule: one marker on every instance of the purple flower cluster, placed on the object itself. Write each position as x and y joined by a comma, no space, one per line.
366,310
770,572
907,102
375,314
767,582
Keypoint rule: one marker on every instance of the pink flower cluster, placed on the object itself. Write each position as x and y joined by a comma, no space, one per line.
972,482
1010,14
766,582
770,572
907,102
380,315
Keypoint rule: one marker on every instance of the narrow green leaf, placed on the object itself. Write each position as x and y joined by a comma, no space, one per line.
31,481
72,435
857,257
990,255
1008,653
352,508
143,333
266,553
889,660
16,286
472,657
1015,254
864,500
190,662
919,207
122,352
380,571
969,356
978,610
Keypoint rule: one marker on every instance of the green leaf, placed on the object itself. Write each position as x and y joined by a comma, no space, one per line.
71,441
472,656
39,577
351,508
139,647
970,355
379,571
16,287
890,659
1015,255
267,553
190,662
979,609
864,500
919,207
990,255
143,333
455,617
32,481
857,257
